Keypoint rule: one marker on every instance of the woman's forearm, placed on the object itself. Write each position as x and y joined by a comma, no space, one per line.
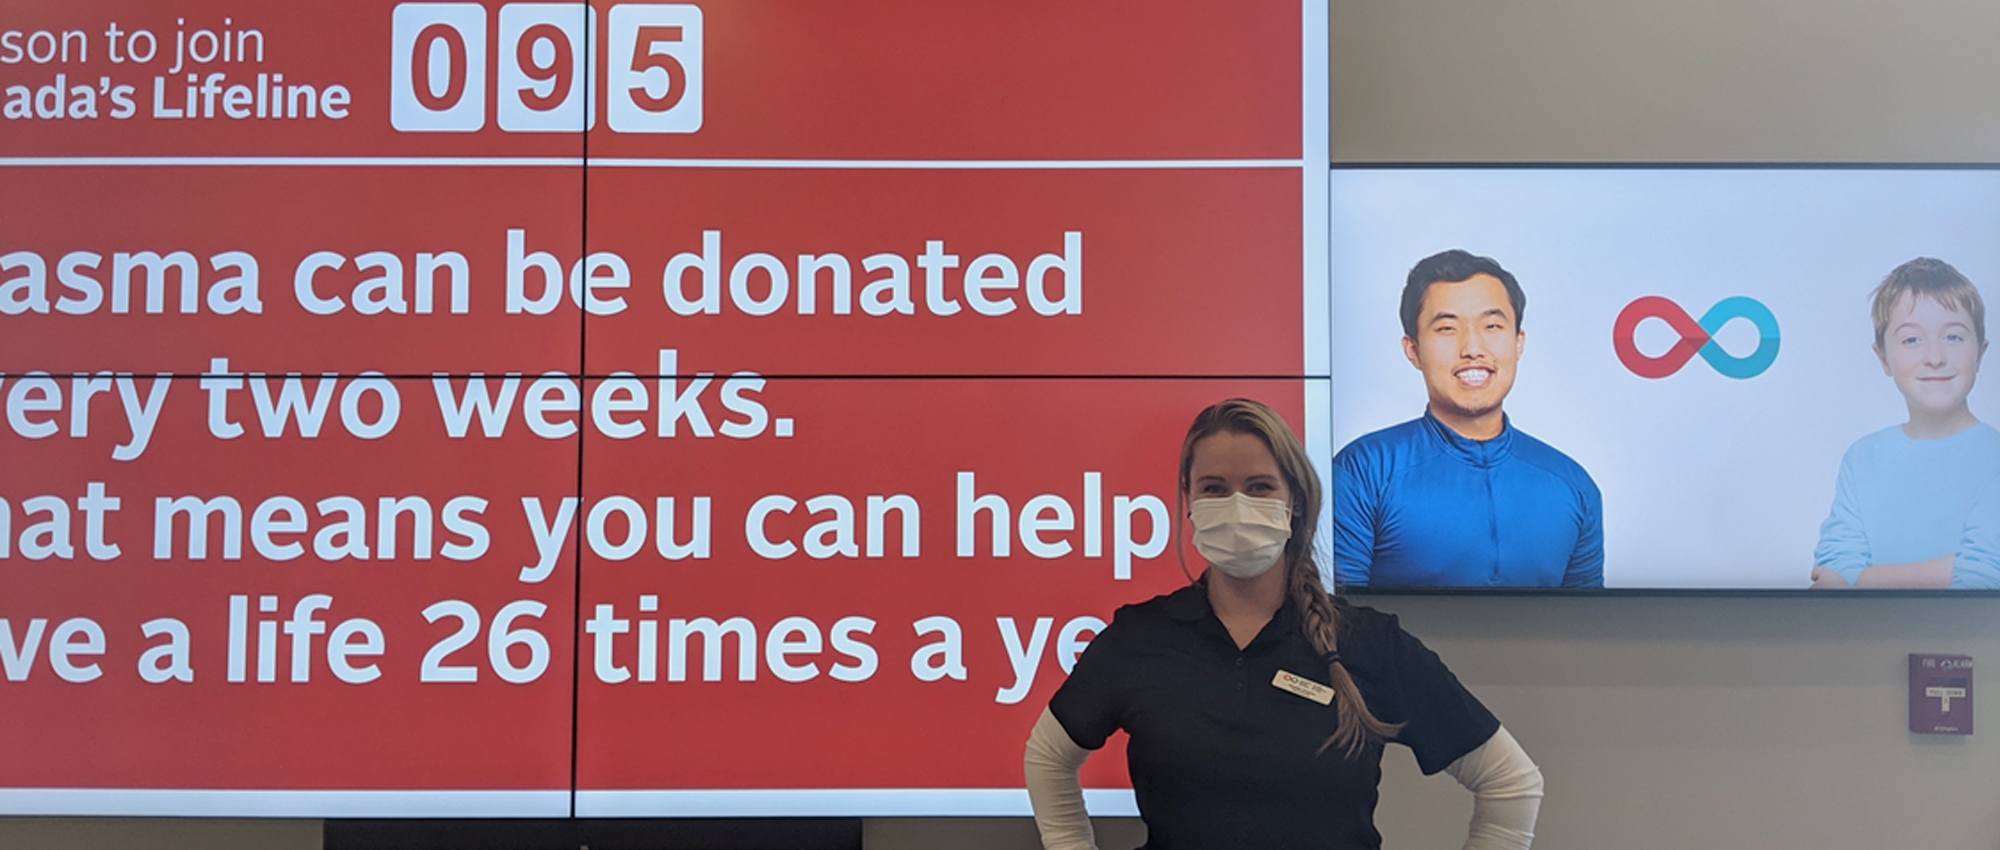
1051,764
1506,793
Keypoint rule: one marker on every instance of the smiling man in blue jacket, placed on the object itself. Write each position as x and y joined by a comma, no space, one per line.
1459,497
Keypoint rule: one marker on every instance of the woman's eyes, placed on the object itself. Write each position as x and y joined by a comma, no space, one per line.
1253,488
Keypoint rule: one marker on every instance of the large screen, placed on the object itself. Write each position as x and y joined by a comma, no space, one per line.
1664,378
638,409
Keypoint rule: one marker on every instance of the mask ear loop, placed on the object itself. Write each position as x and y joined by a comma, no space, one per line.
1180,507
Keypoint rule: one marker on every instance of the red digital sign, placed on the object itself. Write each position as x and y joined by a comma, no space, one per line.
537,409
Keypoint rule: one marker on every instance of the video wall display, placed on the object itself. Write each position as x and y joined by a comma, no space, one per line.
709,409
489,409
1664,378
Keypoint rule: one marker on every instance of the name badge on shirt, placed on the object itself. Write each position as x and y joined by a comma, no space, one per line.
1296,684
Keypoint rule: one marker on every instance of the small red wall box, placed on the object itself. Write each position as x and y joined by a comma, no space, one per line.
1940,694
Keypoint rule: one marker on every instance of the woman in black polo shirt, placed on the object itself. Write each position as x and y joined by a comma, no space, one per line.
1257,704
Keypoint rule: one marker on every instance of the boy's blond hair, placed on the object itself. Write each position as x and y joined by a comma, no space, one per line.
1926,277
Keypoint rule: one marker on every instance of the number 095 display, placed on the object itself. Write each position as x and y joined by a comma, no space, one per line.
545,66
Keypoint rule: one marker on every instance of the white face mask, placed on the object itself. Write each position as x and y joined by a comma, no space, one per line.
1241,535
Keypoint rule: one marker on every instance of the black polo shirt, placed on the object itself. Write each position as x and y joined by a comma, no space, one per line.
1221,757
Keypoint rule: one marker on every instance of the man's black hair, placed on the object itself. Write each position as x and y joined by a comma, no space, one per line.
1455,266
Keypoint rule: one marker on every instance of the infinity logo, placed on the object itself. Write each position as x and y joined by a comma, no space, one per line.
1697,337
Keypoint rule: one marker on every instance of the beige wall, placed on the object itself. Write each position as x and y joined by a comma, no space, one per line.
1665,81
1673,723
1662,722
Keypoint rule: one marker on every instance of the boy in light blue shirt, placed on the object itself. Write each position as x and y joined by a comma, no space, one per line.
1918,505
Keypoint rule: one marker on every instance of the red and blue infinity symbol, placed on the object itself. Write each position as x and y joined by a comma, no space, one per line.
1697,337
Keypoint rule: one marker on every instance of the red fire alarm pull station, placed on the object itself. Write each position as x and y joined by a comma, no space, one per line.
1940,694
